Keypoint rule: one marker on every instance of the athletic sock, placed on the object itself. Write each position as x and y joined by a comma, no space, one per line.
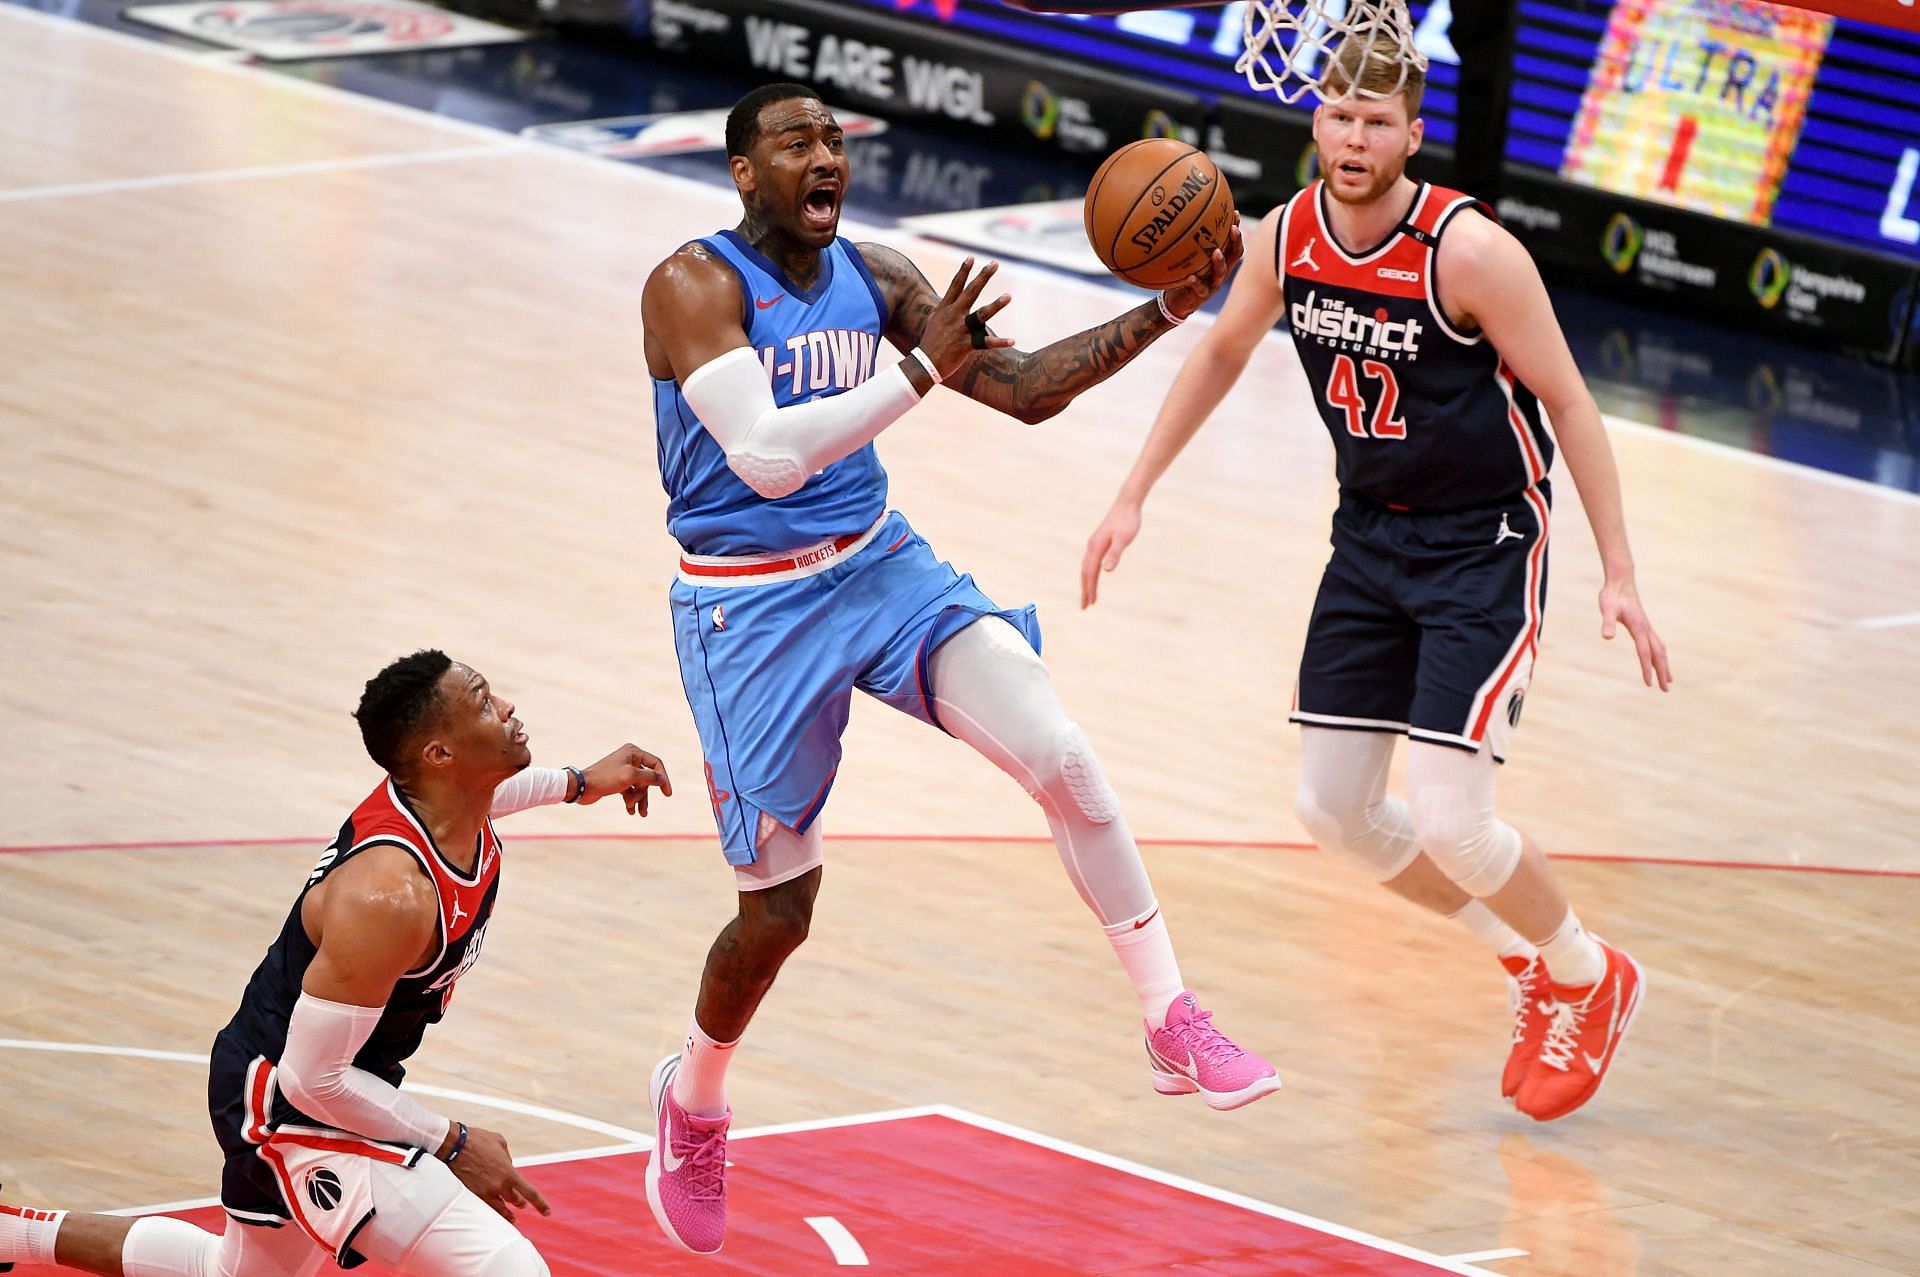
700,1085
26,1235
1146,952
1574,959
1485,923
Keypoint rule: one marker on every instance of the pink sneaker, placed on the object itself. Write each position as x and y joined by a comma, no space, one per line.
687,1174
1191,1055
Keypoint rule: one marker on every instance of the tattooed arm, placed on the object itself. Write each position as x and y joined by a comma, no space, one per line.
1034,385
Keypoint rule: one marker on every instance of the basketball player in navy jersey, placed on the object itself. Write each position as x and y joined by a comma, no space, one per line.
1426,335
797,585
326,1158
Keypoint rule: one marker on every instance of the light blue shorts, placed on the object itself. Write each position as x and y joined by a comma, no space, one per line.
770,667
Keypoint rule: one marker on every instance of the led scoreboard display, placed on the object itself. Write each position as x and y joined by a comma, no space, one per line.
1761,113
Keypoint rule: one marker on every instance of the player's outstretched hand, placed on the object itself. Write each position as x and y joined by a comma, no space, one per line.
1104,548
1191,293
955,329
1620,605
627,771
486,1167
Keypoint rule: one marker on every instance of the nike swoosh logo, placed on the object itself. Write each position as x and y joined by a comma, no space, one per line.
1613,1023
1144,921
770,301
668,1162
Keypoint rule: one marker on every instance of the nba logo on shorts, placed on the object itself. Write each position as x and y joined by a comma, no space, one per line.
323,1188
1513,708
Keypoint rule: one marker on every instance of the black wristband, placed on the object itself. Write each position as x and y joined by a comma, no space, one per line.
459,1143
579,783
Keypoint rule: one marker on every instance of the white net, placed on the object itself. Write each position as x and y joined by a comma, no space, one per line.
1290,44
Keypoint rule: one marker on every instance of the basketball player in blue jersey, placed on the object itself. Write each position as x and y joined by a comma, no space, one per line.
797,586
327,1160
1426,335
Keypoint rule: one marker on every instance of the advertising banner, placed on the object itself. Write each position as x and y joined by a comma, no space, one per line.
909,71
294,30
1750,277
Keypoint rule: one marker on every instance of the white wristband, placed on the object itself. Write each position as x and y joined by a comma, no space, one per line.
1170,317
926,361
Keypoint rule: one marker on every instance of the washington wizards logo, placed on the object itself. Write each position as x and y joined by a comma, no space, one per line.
324,1189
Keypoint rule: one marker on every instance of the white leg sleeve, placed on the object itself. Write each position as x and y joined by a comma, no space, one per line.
160,1247
992,692
1450,796
427,1224
1343,800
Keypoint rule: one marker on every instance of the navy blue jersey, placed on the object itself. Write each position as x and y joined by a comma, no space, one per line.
1423,415
814,342
258,1029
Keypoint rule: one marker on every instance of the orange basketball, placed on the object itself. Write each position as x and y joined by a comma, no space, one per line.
1156,211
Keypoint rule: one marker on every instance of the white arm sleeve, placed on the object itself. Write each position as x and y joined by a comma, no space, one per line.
530,787
317,1074
773,450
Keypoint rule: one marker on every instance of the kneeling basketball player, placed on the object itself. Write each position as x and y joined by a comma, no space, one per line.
326,1158
1426,335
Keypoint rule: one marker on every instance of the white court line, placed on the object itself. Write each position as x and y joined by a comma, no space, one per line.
343,164
1055,280
846,1249
1207,1190
446,1093
538,1159
1452,1264
1471,1256
1888,622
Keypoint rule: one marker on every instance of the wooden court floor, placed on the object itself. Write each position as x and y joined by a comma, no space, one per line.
299,381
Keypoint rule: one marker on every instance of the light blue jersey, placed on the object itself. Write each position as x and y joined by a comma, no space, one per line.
814,342
782,608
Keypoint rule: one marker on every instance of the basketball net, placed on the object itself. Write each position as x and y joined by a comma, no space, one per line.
1290,43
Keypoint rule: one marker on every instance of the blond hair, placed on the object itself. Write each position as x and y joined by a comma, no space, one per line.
1373,66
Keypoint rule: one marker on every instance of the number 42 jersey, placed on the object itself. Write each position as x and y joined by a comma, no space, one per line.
1423,415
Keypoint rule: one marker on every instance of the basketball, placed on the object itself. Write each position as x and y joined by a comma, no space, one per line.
1156,211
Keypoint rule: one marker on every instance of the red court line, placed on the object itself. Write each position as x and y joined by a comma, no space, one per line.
1228,844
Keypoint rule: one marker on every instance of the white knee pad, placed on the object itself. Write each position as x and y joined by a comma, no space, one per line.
517,1258
1376,838
1082,782
1471,845
160,1247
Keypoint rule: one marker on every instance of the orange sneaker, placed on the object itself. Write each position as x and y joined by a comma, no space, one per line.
1583,1032
1531,1005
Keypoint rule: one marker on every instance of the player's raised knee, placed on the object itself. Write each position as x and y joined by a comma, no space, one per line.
1081,777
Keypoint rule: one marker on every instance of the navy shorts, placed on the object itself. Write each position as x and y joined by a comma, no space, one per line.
772,647
1427,623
